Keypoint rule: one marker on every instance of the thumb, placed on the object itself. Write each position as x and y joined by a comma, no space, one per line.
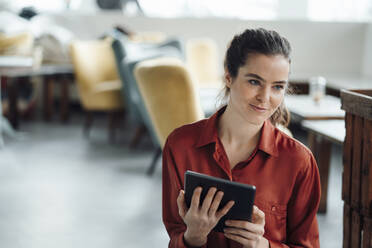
182,208
258,216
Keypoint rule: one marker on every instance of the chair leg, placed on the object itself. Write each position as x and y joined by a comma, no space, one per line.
140,131
154,161
1,128
112,126
115,118
88,123
123,118
324,161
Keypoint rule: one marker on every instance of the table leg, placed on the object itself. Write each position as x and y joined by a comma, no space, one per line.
12,88
48,98
324,161
64,99
321,149
1,118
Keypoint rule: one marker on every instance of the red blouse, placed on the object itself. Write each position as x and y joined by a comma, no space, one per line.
283,170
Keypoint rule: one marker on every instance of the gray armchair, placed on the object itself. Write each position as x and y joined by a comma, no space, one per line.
128,55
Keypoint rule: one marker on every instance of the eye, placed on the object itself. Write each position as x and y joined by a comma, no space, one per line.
254,82
278,87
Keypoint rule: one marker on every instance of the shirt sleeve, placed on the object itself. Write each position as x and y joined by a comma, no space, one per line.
172,184
302,225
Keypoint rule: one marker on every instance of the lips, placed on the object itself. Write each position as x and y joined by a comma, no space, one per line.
258,109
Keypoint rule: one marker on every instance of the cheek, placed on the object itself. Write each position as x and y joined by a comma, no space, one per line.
276,100
240,92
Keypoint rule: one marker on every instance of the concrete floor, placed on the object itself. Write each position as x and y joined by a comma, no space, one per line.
59,189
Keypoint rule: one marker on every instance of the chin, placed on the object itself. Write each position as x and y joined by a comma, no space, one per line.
256,121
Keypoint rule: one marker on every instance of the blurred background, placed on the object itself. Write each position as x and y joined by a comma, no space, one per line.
85,109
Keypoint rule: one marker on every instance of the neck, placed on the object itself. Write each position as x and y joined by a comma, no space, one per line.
235,130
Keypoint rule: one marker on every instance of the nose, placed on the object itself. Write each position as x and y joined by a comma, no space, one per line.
263,94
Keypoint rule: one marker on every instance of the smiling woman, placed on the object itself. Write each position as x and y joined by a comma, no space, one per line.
241,143
258,89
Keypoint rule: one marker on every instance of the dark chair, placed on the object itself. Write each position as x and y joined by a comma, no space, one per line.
128,55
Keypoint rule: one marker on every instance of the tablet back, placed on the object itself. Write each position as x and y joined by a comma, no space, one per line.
242,194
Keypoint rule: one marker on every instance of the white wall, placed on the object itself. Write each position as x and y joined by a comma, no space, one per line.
318,47
367,59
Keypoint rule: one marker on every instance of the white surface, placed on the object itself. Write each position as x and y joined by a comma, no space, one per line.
15,61
334,129
305,107
209,100
367,58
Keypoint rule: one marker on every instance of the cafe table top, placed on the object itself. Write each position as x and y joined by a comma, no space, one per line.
334,130
303,107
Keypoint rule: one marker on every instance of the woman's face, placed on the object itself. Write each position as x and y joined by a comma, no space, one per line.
258,89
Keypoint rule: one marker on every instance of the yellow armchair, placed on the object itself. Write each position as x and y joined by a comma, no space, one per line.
202,60
98,83
18,44
169,95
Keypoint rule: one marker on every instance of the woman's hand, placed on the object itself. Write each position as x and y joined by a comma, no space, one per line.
249,234
201,220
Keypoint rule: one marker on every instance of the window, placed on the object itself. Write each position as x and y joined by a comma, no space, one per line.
243,9
46,5
340,10
41,5
316,10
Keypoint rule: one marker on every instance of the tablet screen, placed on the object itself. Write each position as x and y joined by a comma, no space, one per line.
242,194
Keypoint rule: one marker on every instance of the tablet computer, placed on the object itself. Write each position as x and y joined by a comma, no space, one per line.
242,194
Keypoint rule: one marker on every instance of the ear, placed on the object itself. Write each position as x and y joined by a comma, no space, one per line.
228,79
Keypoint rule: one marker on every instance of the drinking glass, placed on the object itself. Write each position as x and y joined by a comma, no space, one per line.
317,88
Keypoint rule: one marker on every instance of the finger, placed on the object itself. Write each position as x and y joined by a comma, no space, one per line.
240,232
215,204
182,208
246,225
225,209
238,239
208,200
195,199
258,216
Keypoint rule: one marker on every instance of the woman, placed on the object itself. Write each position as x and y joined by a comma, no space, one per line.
241,143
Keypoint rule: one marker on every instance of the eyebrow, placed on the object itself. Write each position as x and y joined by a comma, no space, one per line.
260,78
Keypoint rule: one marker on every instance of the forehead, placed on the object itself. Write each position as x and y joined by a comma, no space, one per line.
267,66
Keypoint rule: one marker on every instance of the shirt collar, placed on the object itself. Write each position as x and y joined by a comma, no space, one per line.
210,132
268,139
267,142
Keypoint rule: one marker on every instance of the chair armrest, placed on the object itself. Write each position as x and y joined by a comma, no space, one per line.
107,86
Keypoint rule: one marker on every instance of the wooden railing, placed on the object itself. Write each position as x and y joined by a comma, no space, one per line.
357,174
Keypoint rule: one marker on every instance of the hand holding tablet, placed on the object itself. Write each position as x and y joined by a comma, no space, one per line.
242,195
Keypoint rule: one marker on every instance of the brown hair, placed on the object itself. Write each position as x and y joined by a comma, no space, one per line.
257,41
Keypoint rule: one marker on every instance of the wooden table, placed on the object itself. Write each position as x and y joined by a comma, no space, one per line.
321,135
50,73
